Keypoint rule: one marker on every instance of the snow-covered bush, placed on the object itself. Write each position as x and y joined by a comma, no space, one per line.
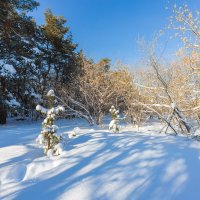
49,139
114,124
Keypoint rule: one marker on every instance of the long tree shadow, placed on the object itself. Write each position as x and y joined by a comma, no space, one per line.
32,153
136,166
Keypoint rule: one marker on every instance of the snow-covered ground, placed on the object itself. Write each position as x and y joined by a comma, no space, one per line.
99,165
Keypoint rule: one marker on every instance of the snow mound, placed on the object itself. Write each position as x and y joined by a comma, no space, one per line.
12,173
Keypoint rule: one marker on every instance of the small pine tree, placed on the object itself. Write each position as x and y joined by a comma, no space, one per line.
114,124
49,139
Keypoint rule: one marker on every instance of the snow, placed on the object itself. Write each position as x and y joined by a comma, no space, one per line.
9,68
51,93
41,109
13,102
6,68
33,94
173,105
112,124
51,111
59,109
40,139
197,132
98,164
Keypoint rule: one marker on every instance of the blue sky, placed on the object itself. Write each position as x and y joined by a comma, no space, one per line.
111,28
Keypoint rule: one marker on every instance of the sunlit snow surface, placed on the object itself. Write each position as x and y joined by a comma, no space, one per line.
98,164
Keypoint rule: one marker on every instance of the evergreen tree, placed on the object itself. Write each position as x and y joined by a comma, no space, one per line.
49,139
16,33
114,124
42,57
57,59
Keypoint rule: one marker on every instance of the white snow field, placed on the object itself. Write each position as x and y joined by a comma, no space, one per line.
98,164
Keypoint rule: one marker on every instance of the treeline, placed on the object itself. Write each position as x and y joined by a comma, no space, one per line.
168,92
34,59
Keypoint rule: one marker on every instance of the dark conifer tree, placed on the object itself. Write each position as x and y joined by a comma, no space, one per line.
16,33
57,59
41,57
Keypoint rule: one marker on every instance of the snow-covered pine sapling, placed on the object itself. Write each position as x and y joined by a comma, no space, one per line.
114,124
49,139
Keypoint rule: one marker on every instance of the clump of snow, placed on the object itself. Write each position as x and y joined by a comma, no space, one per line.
54,127
59,149
9,68
6,69
50,152
41,109
59,109
51,93
196,134
38,96
40,139
173,105
113,125
51,111
76,131
13,102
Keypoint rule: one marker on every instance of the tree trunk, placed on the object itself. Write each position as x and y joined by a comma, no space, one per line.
99,118
3,114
